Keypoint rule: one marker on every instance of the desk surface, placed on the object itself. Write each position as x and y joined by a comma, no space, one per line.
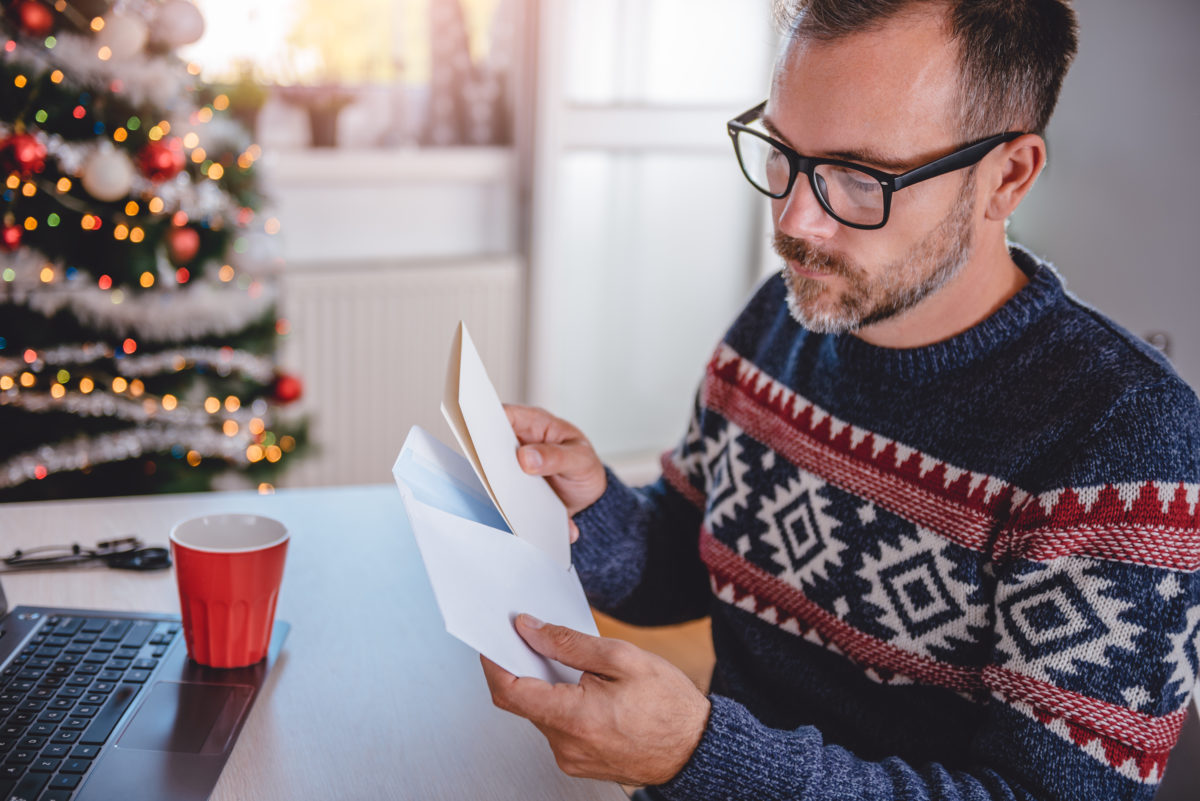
371,698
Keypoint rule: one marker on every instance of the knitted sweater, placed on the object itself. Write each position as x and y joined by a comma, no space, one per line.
961,571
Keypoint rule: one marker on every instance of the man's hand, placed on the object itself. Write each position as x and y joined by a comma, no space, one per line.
559,451
633,718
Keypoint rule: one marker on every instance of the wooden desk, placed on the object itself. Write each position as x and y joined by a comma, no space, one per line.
371,698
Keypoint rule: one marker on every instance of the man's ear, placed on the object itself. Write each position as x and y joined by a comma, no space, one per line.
1016,165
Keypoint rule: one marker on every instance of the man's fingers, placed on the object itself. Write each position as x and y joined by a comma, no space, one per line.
599,655
565,459
533,699
532,424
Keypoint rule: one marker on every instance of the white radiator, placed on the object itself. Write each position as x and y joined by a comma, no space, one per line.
370,343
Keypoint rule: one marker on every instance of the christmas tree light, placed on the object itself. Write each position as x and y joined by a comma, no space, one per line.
137,329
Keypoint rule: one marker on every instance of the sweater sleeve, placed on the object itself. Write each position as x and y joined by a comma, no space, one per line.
1096,642
638,552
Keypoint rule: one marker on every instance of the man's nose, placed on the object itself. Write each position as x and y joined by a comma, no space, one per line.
801,215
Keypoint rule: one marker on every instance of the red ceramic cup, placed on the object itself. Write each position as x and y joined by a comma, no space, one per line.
229,568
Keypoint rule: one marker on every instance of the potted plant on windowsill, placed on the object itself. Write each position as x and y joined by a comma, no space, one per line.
323,102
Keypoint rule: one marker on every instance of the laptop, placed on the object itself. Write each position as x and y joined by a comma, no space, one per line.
107,706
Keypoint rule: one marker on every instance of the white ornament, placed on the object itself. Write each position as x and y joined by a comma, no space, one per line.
125,35
176,23
108,174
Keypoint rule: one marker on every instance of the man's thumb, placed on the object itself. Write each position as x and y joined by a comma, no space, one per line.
572,648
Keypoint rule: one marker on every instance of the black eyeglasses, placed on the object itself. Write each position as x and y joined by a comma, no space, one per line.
853,194
127,553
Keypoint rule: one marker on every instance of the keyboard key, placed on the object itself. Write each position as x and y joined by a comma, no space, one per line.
106,720
76,723
21,757
138,633
66,736
85,710
43,729
57,795
30,785
68,626
53,716
11,771
56,751
85,751
109,675
6,786
76,765
137,676
64,781
145,664
45,765
118,663
69,692
94,626
116,631
105,687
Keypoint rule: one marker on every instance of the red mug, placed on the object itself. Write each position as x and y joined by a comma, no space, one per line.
229,568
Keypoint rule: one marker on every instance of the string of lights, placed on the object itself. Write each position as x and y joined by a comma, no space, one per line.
138,282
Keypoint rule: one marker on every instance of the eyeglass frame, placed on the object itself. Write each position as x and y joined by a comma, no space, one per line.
963,157
126,553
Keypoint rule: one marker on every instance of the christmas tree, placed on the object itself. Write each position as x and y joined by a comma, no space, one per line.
138,323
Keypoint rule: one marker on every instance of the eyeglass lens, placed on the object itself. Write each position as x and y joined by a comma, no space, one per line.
854,196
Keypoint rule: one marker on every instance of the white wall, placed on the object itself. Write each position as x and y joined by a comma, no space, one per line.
1117,209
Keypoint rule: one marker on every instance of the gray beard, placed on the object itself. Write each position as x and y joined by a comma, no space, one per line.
899,286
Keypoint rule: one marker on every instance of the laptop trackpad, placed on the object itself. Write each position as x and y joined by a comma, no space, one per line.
187,718
174,747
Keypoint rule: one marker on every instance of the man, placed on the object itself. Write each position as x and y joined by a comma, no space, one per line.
943,515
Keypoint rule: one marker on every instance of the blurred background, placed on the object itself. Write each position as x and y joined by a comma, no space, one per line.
557,174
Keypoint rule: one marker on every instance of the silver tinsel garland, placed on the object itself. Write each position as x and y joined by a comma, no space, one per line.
119,446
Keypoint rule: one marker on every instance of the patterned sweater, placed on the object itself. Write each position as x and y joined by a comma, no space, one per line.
961,571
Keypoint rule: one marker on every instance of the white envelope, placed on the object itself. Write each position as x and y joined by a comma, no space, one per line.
482,576
476,416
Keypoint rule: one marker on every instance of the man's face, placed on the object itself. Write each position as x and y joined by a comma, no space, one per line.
885,99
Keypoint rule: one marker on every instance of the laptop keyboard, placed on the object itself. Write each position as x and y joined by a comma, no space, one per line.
63,694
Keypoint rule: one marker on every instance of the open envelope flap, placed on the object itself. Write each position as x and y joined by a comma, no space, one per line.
439,477
533,511
483,578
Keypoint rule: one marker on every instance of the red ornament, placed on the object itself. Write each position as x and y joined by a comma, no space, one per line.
10,237
22,153
287,388
34,18
161,161
183,243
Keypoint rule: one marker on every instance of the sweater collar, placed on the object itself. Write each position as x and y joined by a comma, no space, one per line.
1043,291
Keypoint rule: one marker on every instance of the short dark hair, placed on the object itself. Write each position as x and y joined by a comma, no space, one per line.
1013,54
